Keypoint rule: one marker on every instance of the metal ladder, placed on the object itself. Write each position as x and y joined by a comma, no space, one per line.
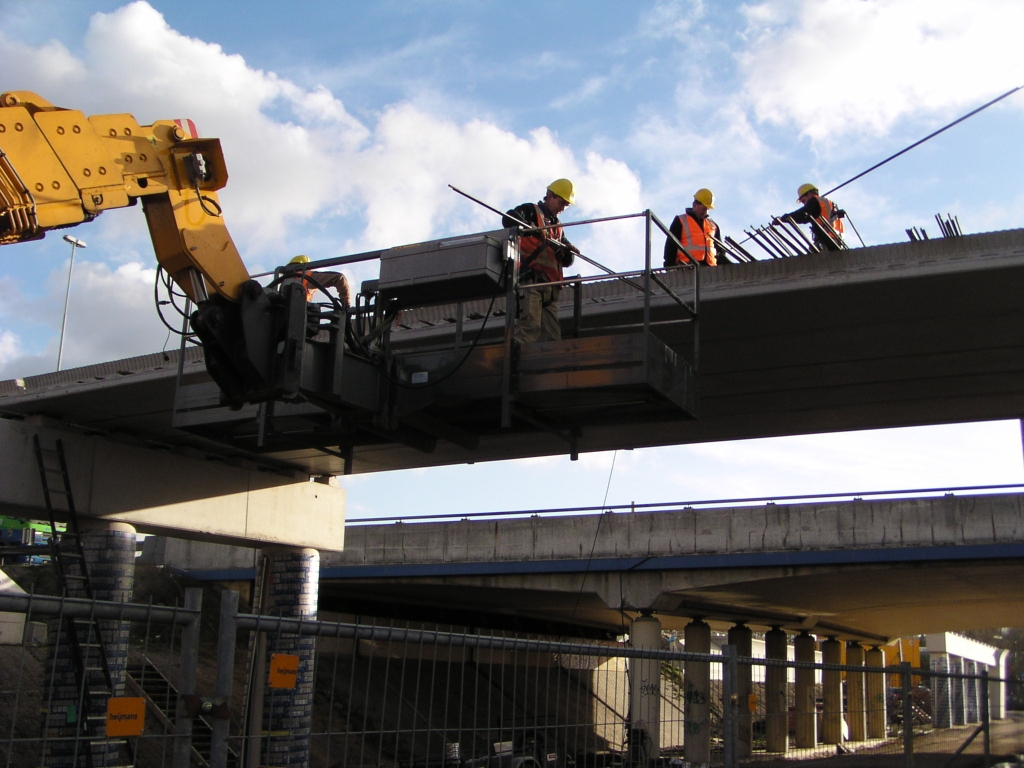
89,657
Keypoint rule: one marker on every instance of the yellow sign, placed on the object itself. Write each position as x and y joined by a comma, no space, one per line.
126,716
284,670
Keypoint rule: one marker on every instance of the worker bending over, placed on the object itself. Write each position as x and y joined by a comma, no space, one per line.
824,216
696,232
316,281
542,255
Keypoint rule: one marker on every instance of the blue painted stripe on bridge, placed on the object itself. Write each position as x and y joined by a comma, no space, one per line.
660,563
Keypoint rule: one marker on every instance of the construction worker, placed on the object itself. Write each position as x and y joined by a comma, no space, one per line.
542,255
825,218
695,231
315,281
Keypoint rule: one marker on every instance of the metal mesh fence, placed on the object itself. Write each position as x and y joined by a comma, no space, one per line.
276,691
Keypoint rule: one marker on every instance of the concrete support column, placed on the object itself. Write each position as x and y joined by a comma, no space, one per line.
645,693
832,683
806,712
958,691
741,637
997,690
942,691
875,690
776,693
291,585
110,560
856,711
972,698
697,696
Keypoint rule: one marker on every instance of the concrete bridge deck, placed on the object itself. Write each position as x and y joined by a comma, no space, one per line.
858,569
893,335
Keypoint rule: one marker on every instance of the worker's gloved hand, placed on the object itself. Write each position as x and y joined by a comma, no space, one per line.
776,221
840,213
566,254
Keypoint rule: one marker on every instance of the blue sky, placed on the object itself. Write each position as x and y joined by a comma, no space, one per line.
342,124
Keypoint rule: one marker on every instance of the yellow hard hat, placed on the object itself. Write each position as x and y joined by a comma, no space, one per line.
564,189
705,196
804,189
300,260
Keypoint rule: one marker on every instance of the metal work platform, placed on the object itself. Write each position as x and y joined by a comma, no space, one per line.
894,335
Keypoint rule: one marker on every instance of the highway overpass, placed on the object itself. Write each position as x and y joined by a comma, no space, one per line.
889,336
859,569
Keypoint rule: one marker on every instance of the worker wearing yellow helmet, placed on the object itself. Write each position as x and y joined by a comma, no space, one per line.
696,232
824,216
542,256
317,281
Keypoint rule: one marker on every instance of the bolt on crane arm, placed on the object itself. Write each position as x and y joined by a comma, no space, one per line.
59,168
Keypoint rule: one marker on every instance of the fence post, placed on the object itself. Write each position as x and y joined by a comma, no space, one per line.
187,683
730,707
907,690
986,718
225,677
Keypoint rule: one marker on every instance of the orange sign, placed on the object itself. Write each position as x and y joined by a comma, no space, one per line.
284,670
126,716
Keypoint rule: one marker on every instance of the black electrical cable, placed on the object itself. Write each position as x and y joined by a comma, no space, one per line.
203,199
452,372
157,302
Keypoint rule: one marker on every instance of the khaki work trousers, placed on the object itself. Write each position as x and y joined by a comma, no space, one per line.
538,315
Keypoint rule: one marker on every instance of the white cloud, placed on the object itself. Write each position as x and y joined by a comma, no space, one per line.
10,347
834,68
302,168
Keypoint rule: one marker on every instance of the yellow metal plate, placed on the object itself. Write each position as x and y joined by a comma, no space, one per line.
79,148
34,159
128,143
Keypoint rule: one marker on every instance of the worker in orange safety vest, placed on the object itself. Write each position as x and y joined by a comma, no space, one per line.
542,255
824,216
695,231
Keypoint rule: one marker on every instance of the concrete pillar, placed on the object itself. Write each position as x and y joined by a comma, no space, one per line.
957,691
996,689
972,697
806,712
110,559
741,637
856,712
697,696
290,588
942,691
645,692
776,693
875,694
832,683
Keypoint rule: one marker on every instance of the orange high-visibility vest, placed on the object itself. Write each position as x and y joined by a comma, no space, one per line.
536,253
696,240
829,215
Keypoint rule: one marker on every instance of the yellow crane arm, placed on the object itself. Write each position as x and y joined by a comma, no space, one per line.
59,168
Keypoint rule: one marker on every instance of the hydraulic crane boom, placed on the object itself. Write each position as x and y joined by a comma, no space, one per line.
59,168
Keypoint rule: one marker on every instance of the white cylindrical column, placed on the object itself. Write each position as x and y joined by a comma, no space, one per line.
697,695
776,692
645,692
856,713
832,683
741,637
875,693
804,647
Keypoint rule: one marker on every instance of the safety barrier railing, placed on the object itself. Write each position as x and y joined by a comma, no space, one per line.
390,693
377,692
48,717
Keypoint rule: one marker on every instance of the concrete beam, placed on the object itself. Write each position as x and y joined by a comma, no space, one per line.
158,490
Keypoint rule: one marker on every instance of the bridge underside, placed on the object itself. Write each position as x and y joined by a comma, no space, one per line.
868,602
895,335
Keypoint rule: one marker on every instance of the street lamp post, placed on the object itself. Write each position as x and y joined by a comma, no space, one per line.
75,243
